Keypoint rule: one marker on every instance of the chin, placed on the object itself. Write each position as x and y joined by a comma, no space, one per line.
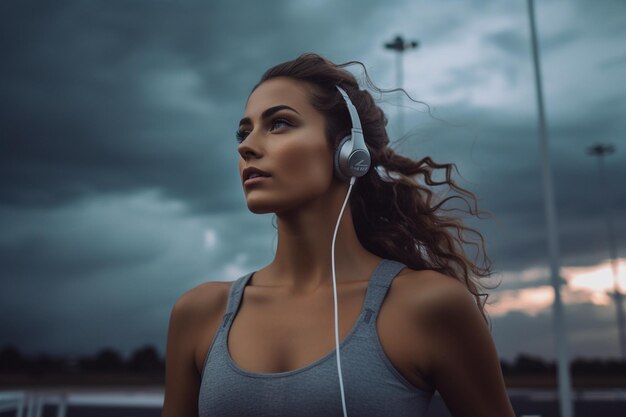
285,201
260,209
261,206
272,205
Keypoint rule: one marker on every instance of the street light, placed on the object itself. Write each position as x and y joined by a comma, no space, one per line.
399,44
600,151
564,380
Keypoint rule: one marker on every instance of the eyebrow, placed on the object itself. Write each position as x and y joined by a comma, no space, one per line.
267,113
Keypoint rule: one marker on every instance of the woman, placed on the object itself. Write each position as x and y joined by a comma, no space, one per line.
410,312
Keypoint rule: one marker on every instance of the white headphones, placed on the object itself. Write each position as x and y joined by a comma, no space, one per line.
352,160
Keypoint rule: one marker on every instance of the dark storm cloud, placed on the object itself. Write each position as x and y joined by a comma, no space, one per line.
516,42
615,61
499,160
78,113
70,243
87,87
591,332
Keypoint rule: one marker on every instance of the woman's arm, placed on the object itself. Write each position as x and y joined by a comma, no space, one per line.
182,382
195,317
463,362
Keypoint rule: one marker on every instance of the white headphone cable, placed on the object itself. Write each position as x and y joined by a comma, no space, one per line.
343,397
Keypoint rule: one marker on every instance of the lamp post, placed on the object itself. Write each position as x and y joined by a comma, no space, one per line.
600,150
564,381
399,44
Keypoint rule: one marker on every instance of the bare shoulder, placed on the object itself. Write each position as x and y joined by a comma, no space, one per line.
460,357
199,310
203,299
192,316
436,296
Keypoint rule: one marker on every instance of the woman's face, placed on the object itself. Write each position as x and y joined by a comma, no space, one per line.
289,145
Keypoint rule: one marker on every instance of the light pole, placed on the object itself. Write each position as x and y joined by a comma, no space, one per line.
399,44
564,380
600,151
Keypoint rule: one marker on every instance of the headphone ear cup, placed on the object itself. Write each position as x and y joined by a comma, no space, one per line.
341,158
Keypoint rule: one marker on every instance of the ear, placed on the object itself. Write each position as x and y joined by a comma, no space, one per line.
340,136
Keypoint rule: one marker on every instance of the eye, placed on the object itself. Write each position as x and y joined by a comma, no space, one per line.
241,135
280,121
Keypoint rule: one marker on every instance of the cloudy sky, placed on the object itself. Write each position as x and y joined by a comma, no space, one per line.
119,186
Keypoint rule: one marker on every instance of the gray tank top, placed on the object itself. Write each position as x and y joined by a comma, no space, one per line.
372,385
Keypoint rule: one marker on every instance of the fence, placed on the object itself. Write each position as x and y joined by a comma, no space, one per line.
31,404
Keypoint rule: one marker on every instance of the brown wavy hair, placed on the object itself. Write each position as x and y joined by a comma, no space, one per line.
395,217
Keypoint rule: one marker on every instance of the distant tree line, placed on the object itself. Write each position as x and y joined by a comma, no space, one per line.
533,365
145,359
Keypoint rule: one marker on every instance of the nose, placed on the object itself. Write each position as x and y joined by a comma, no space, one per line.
247,149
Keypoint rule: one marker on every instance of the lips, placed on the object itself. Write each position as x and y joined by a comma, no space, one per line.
253,172
255,175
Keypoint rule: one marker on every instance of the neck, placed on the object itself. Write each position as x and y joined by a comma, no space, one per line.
303,260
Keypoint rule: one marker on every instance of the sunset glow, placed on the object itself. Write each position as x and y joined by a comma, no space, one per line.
597,278
588,284
529,300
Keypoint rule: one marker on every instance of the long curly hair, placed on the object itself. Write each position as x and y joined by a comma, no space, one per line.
395,217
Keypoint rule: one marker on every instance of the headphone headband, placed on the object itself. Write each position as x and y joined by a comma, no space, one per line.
352,158
356,122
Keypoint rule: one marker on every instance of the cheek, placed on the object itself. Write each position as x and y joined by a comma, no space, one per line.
307,167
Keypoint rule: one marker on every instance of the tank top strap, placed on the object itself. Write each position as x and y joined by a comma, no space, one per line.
378,286
234,298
